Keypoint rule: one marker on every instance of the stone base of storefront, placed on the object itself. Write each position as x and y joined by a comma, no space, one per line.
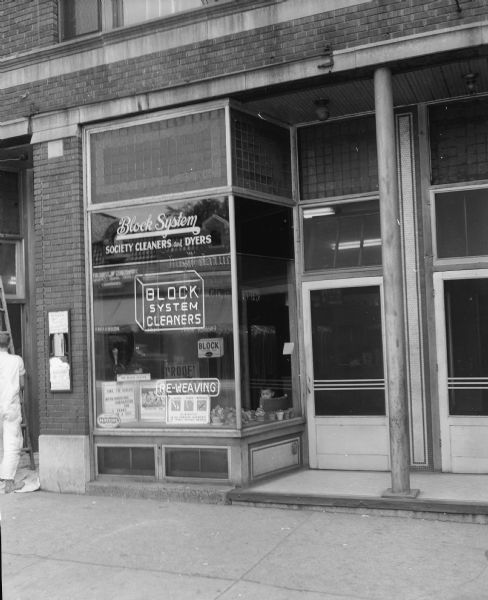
162,491
64,463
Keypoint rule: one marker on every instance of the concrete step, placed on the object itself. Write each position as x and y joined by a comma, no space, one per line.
167,492
433,509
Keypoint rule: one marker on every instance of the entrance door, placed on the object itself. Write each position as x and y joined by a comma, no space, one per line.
346,405
462,341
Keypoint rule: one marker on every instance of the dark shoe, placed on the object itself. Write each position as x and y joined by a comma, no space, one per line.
12,486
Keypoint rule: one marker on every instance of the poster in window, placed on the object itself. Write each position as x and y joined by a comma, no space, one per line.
119,399
189,409
152,405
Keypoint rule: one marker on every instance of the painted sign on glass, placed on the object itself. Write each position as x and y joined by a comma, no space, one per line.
169,301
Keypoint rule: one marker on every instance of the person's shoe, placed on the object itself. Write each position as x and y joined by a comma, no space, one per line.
12,486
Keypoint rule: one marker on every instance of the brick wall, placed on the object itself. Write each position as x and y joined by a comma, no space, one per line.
60,276
27,24
374,21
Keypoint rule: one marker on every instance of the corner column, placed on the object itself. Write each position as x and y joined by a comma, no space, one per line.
396,360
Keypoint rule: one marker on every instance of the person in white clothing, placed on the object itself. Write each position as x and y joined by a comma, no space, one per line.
12,373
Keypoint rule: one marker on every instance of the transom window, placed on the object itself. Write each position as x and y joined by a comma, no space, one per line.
461,221
342,235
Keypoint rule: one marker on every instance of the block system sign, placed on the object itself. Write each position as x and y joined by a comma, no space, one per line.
169,301
210,347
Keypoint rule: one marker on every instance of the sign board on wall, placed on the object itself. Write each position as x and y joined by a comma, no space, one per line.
59,351
119,399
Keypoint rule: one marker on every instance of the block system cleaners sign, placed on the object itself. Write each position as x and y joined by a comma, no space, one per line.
169,301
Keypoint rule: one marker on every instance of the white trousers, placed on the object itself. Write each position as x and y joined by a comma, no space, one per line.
10,445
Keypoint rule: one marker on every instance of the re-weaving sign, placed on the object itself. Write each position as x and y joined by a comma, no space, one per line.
169,301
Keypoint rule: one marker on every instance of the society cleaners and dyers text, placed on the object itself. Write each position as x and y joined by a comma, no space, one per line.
160,244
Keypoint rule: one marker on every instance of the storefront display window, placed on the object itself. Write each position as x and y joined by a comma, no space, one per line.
162,312
265,273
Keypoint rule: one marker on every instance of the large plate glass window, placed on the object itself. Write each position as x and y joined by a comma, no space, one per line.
162,311
265,273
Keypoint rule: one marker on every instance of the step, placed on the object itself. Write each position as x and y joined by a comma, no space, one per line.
162,491
425,508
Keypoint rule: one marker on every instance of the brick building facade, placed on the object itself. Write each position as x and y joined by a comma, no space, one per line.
315,178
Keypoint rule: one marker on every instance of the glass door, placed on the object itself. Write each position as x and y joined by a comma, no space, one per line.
346,405
462,338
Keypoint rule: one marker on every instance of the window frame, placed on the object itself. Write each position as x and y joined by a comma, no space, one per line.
110,17
332,271
18,240
61,21
441,264
19,267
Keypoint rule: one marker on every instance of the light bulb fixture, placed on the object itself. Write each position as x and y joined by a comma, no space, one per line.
471,80
321,211
20,157
321,109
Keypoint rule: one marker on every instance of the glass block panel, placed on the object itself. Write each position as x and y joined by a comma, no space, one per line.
209,463
459,141
261,158
338,158
161,157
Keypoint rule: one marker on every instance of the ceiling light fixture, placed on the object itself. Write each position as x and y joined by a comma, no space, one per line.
323,211
20,157
321,109
471,80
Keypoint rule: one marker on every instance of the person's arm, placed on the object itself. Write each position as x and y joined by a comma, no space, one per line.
21,373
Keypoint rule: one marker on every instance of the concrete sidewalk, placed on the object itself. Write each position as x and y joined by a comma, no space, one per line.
70,547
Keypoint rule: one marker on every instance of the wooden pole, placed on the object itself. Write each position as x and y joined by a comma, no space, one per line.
396,385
